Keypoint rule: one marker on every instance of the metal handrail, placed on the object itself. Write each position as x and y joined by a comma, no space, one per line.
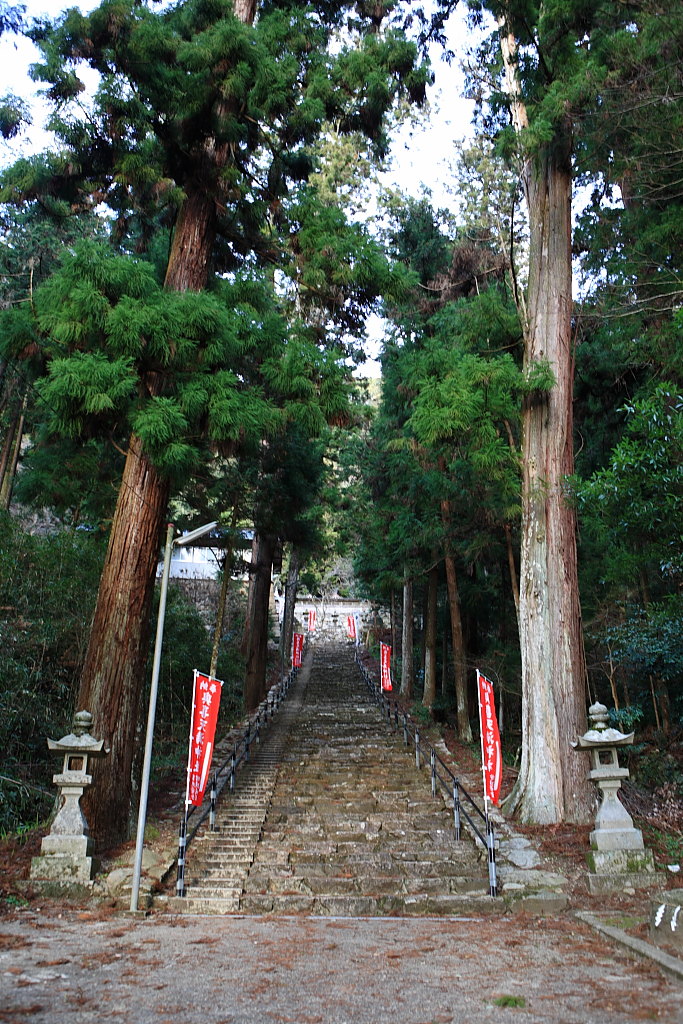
450,784
226,772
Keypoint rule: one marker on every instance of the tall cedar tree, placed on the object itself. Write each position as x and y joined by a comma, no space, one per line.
549,75
202,116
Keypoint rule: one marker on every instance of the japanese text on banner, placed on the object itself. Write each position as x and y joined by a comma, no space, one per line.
297,649
491,753
206,701
385,666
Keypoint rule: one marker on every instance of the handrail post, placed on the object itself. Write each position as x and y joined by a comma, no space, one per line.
182,843
432,763
405,728
456,809
233,769
491,844
212,812
417,749
247,741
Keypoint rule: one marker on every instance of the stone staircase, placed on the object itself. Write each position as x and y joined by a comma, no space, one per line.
332,817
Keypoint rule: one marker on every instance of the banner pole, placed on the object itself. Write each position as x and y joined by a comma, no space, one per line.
189,744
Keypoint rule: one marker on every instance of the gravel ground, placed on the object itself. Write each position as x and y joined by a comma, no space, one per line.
88,966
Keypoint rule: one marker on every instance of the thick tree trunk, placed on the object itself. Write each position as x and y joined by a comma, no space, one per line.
249,610
512,568
407,667
113,675
10,454
291,587
429,695
553,784
222,604
457,638
257,652
113,672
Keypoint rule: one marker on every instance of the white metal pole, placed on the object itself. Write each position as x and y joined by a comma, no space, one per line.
151,714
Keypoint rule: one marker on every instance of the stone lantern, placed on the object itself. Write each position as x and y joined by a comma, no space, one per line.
66,852
617,858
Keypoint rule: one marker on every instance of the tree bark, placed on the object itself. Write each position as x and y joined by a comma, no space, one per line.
249,611
112,675
457,638
393,614
552,784
10,454
407,667
429,695
114,668
257,652
222,602
291,587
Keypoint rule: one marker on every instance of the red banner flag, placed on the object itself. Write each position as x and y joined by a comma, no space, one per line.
297,649
351,627
312,616
205,703
491,753
385,666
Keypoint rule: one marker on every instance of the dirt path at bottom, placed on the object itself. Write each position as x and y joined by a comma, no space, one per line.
237,970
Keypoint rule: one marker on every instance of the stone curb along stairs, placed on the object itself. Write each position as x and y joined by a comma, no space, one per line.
331,817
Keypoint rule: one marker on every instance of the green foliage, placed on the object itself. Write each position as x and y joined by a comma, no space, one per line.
177,84
650,642
187,646
47,593
626,719
637,499
509,1001
48,586
105,324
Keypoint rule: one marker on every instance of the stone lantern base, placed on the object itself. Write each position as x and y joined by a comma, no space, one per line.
64,859
616,870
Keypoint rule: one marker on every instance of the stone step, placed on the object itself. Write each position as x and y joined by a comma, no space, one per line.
331,816
351,905
191,905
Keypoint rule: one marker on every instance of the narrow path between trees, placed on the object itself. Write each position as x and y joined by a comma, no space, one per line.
333,817
333,821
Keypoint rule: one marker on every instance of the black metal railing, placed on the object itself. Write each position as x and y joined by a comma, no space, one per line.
441,775
226,772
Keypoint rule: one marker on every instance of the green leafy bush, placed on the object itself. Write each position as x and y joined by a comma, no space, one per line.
48,586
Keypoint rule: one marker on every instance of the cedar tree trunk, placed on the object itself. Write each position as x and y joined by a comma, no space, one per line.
257,652
553,785
457,639
112,680
291,587
407,668
429,695
113,673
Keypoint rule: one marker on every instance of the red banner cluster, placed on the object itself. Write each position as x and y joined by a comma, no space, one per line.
297,649
385,666
351,627
312,616
205,701
491,753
